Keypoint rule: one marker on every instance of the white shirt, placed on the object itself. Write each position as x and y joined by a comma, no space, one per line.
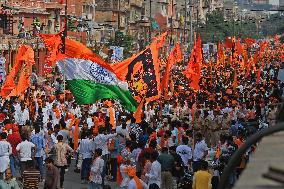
155,174
85,148
185,153
124,175
132,184
21,117
101,141
17,107
149,114
76,112
25,149
97,170
199,150
124,132
90,122
5,151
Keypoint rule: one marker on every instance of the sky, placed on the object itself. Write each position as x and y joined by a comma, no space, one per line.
274,2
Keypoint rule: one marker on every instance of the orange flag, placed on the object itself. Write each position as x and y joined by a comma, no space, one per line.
228,43
258,75
111,114
263,46
23,65
220,55
239,47
139,112
174,57
142,72
193,70
235,83
73,49
76,134
249,41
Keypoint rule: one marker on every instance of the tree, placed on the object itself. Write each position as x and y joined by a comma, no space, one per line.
216,28
121,40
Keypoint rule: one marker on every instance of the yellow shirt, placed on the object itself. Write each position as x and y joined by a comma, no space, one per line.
202,180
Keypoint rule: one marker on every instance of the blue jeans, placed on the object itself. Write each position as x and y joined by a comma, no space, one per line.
93,185
86,167
14,162
39,163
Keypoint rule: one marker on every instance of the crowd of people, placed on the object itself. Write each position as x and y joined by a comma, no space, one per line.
192,132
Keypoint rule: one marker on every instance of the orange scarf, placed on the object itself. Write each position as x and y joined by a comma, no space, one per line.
111,117
57,112
119,176
132,173
76,134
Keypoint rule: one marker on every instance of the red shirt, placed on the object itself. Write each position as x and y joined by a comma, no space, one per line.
14,139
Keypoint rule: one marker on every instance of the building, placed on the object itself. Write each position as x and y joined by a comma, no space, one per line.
120,15
281,3
231,10
22,20
260,2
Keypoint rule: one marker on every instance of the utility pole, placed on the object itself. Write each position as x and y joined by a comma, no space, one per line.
191,26
65,29
171,39
118,16
64,45
185,22
150,29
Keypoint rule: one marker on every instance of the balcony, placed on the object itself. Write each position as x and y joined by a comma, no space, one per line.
163,1
136,3
53,5
87,16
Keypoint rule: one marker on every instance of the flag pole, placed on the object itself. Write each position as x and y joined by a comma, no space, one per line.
64,46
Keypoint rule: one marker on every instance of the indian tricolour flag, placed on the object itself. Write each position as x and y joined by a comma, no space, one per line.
89,82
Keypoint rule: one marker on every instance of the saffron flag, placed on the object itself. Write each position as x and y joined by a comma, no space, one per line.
263,47
239,47
23,66
228,43
139,112
142,72
235,82
193,70
73,49
249,41
174,57
220,55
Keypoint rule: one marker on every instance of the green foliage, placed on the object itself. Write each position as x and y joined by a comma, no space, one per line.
122,40
273,25
217,28
71,25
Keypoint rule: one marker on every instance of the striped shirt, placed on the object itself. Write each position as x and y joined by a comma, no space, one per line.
31,179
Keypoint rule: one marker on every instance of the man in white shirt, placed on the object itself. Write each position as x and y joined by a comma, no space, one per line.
22,116
24,150
5,152
101,141
85,150
185,152
200,151
155,172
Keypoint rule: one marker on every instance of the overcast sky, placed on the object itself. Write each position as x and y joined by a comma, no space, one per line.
274,2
